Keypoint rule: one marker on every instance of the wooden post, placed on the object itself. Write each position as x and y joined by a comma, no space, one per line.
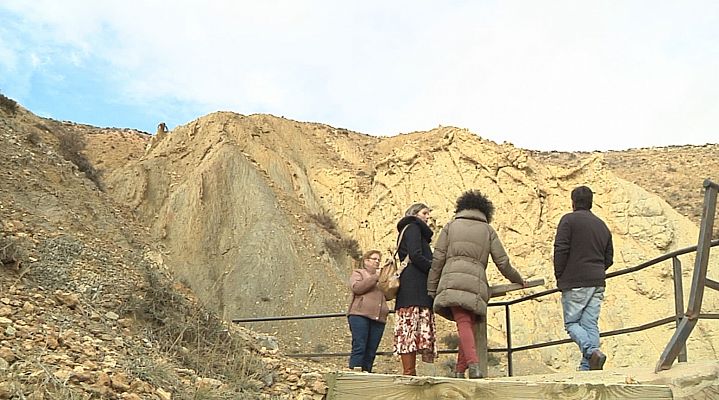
679,301
705,237
480,342
480,325
696,295
510,366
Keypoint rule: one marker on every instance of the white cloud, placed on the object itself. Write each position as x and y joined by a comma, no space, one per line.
546,75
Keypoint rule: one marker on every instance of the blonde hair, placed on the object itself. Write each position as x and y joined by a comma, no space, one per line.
415,208
366,256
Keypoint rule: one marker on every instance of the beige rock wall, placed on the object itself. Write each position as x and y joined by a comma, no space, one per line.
231,197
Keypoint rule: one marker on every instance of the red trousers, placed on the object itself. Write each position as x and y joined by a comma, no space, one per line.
465,328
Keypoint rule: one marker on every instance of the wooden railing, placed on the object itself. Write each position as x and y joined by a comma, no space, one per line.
685,322
677,318
510,349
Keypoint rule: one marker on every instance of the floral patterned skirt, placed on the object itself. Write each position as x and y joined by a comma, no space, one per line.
414,332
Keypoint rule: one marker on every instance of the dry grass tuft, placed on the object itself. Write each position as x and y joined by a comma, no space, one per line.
451,341
7,104
43,386
196,338
339,246
71,148
11,255
325,221
34,138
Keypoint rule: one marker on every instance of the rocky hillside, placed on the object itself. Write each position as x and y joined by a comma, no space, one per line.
86,310
236,202
146,254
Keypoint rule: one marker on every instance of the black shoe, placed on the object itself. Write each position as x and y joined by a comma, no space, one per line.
597,360
475,372
458,375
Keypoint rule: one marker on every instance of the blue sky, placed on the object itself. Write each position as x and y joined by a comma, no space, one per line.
544,75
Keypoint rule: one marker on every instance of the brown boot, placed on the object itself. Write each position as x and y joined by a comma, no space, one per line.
596,362
409,363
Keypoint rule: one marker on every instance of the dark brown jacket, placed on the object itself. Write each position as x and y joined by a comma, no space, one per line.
583,250
458,276
367,300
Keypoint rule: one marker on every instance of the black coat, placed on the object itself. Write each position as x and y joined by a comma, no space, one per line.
413,281
583,250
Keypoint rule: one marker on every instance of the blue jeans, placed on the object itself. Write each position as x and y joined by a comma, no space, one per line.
581,316
366,335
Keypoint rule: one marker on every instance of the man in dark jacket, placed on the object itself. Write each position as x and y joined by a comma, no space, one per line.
583,251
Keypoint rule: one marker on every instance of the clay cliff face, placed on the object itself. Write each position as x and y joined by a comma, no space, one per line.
87,309
234,202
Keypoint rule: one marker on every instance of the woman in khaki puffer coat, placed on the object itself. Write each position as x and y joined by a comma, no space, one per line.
458,281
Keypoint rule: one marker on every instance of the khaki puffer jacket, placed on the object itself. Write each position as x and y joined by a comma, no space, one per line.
458,274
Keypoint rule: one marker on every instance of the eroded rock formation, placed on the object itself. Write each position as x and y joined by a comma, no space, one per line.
231,198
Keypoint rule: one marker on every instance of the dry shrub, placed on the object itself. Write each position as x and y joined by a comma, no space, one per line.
340,246
43,386
326,221
451,341
11,255
195,337
155,372
8,104
337,245
71,147
320,348
450,365
34,138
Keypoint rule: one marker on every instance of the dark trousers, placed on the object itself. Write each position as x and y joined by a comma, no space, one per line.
366,335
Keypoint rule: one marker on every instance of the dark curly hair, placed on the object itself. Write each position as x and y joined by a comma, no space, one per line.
475,200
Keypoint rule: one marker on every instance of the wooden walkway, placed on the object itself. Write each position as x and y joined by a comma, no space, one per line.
685,381
363,386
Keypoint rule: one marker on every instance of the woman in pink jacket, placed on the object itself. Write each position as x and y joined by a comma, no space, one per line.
367,313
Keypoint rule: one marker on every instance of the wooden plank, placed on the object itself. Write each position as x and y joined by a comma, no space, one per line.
501,290
362,386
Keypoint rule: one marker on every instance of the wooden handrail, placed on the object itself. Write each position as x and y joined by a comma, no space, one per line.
501,290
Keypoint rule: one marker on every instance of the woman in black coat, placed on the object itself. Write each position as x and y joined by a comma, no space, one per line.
414,330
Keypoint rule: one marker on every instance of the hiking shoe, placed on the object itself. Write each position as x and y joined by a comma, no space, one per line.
596,361
458,375
475,372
